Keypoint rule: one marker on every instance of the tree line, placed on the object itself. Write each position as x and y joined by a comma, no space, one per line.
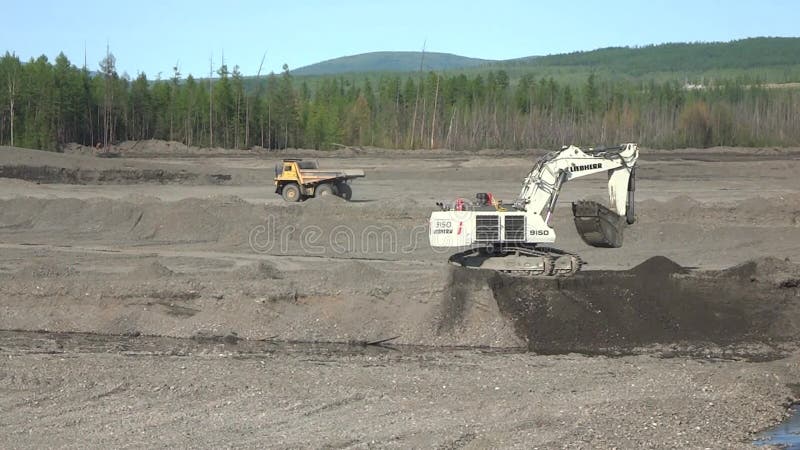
46,105
697,57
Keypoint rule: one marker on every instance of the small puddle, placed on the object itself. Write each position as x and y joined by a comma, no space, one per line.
784,435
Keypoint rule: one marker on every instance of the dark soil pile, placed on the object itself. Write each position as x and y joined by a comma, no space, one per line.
656,302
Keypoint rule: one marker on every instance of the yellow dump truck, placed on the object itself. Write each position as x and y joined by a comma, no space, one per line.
296,180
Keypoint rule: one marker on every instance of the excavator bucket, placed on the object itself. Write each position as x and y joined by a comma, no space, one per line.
597,225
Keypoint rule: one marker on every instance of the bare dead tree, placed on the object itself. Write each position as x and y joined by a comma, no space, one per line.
247,103
416,100
12,93
108,66
176,74
435,102
211,101
450,128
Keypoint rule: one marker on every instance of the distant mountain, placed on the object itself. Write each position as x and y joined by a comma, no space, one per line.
768,59
390,62
739,54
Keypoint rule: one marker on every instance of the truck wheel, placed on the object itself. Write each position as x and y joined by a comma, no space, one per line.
345,191
291,192
323,189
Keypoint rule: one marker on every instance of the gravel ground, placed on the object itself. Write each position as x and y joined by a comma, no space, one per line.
199,340
65,392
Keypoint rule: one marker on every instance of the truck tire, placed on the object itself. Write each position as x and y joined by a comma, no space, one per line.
323,189
291,192
345,191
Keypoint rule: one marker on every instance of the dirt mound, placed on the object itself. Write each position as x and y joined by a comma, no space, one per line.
355,273
150,270
658,266
400,208
781,210
217,219
214,219
656,302
72,215
63,175
148,147
74,148
258,271
155,147
44,269
324,203
773,271
320,227
78,167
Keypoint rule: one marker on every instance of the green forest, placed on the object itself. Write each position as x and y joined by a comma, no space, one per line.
46,104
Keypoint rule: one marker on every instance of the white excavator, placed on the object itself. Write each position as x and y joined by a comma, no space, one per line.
516,239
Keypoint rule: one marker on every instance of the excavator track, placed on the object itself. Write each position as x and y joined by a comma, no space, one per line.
565,264
520,261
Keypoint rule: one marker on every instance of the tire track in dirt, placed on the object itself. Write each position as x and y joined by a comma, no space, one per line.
288,262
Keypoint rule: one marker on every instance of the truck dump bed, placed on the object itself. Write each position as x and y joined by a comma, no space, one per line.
316,175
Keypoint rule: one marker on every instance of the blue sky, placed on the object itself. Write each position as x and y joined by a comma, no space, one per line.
152,36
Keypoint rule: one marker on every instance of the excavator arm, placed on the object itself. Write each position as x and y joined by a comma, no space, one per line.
544,182
598,225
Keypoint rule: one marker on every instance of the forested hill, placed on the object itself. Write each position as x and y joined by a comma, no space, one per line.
390,62
729,59
692,57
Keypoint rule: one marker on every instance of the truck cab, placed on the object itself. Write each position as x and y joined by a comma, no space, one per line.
291,170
